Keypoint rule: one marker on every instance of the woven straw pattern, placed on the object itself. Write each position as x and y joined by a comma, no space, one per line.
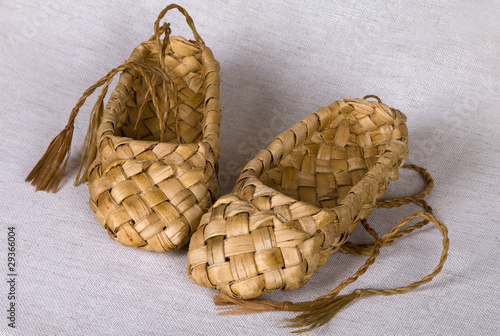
154,177
150,156
299,199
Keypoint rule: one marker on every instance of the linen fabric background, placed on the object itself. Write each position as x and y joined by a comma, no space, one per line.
436,61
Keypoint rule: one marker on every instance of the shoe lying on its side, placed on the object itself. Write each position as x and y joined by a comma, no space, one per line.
299,199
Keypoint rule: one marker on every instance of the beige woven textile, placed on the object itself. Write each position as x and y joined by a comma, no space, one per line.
299,199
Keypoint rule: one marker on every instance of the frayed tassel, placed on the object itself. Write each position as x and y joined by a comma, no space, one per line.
314,314
48,173
319,312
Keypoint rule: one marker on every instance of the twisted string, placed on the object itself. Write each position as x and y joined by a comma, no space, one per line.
48,172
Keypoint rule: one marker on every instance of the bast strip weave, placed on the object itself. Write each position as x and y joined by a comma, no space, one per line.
155,144
297,202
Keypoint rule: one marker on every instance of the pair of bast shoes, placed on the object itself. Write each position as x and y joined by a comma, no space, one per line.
150,159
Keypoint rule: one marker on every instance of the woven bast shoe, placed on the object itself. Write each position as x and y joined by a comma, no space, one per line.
299,199
151,154
297,202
